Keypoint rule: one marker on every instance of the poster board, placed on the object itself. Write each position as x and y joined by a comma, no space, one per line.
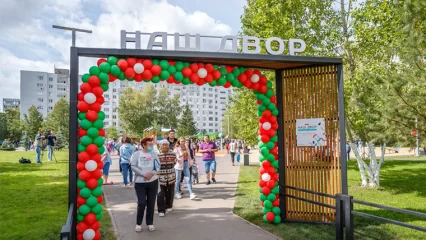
310,132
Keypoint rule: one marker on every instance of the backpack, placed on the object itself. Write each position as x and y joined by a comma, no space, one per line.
23,160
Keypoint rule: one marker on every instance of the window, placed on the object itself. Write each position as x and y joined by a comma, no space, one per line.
106,96
40,99
50,79
210,95
114,90
210,89
210,113
216,125
210,130
216,119
50,108
114,116
114,96
39,85
204,100
211,124
106,109
40,77
211,119
114,110
204,118
114,123
50,86
106,116
204,124
50,100
40,107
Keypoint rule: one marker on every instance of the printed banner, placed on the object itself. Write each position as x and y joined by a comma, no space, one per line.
310,132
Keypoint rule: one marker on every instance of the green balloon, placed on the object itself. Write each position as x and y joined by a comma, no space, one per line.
99,124
81,184
260,97
277,219
240,85
171,69
103,77
80,218
115,70
221,81
122,76
155,61
269,84
223,71
155,79
261,108
112,60
235,83
85,124
267,204
91,201
264,151
261,158
266,210
101,115
105,86
275,112
99,216
98,192
213,83
270,157
259,114
92,132
270,145
215,67
186,64
85,192
85,77
275,164
179,76
164,64
81,115
266,102
164,75
269,93
186,81
236,72
99,141
274,139
230,77
271,106
260,190
272,197
274,190
97,209
179,66
101,150
262,197
86,140
264,218
100,182
94,71
104,67
81,148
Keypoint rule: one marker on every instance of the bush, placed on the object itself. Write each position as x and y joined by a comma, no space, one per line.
7,146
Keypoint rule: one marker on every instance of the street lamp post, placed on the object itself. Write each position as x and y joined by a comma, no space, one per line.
73,31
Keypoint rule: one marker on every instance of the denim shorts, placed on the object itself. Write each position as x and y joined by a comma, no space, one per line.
210,164
105,170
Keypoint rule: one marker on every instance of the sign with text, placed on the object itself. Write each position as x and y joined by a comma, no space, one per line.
310,132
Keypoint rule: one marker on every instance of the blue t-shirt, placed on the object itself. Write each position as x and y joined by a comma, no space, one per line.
50,141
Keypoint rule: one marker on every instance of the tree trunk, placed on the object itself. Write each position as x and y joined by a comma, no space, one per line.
373,171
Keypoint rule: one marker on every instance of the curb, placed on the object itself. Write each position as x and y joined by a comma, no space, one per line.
114,224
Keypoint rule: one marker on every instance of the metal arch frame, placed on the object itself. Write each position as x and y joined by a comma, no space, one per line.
201,56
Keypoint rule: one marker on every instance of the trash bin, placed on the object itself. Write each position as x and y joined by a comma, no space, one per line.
246,159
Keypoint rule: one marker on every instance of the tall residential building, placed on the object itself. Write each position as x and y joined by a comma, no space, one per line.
43,89
9,103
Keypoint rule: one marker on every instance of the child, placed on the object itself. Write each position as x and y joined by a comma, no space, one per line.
106,159
238,156
194,174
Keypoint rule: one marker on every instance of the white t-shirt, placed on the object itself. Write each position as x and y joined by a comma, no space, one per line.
233,147
142,163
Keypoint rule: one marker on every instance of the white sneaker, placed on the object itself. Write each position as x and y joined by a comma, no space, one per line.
178,196
192,196
151,228
161,214
169,210
138,228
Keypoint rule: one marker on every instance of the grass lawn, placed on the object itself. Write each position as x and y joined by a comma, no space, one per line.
34,198
403,185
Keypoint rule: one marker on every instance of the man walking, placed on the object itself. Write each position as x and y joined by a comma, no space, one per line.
172,140
208,148
166,175
51,139
38,144
232,150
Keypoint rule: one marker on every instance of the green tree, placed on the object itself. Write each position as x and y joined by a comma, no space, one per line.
32,122
187,126
3,126
112,132
233,122
13,124
168,109
58,119
61,141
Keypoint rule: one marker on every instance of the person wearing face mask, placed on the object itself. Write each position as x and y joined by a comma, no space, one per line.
167,178
145,164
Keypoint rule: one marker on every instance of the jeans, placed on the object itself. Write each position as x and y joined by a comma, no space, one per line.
127,168
49,152
187,177
182,178
232,157
209,164
146,193
165,197
38,152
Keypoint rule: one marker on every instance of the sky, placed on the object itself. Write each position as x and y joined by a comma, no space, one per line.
28,41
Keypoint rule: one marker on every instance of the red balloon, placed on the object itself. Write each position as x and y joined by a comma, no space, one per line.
92,149
146,75
82,132
242,78
95,226
131,62
229,68
270,183
95,107
208,78
262,183
209,67
138,78
227,85
264,138
186,72
91,116
266,164
256,72
275,178
100,100
97,236
263,89
272,119
84,175
275,126
100,165
270,216
101,132
194,67
80,236
274,151
262,170
200,65
112,78
194,78
271,171
273,99
258,102
129,73
249,73
172,63
216,74
96,157
263,203
263,80
81,227
171,79
122,64
276,203
90,218
80,96
267,113
155,70
94,81
200,82
100,199
97,173
247,84
147,64
85,87
255,86
98,91
83,106
80,166
81,200
263,119
83,157
266,190
100,61
92,183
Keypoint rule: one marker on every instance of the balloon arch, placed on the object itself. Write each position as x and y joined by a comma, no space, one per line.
91,130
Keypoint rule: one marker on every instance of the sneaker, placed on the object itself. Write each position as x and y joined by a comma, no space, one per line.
138,228
192,196
151,228
161,214
169,210
214,180
178,196
131,184
208,183
126,185
180,192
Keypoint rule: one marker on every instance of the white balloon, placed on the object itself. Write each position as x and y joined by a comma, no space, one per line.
202,72
89,98
139,68
91,165
266,125
89,234
255,78
266,177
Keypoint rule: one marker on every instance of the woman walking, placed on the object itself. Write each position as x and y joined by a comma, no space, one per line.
145,164
126,152
167,178
183,164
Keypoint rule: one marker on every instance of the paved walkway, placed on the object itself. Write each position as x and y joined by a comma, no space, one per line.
210,217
